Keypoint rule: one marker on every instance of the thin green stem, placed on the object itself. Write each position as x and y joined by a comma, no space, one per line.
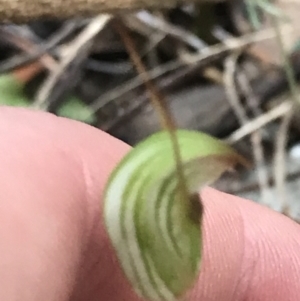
253,15
160,105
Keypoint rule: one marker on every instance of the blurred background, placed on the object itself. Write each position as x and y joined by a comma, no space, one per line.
227,68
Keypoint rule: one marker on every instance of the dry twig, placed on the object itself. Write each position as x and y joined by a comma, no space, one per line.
34,52
28,10
280,159
281,141
132,84
80,43
256,137
186,59
260,122
238,44
147,23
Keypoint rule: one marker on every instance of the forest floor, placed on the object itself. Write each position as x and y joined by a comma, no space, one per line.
218,74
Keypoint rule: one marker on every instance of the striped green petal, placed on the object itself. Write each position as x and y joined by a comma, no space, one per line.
156,234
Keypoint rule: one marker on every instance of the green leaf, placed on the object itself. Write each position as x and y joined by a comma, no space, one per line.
75,108
253,14
296,47
11,92
272,10
155,232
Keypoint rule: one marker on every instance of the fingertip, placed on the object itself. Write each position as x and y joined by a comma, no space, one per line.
250,251
53,173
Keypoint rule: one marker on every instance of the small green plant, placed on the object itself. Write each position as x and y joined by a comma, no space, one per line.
152,208
155,230
12,86
255,6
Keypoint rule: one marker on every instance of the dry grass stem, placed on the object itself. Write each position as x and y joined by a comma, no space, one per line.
92,29
240,112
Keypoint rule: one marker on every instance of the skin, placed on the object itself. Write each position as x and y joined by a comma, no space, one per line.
53,244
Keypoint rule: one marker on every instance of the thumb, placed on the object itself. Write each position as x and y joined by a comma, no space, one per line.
250,252
54,245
